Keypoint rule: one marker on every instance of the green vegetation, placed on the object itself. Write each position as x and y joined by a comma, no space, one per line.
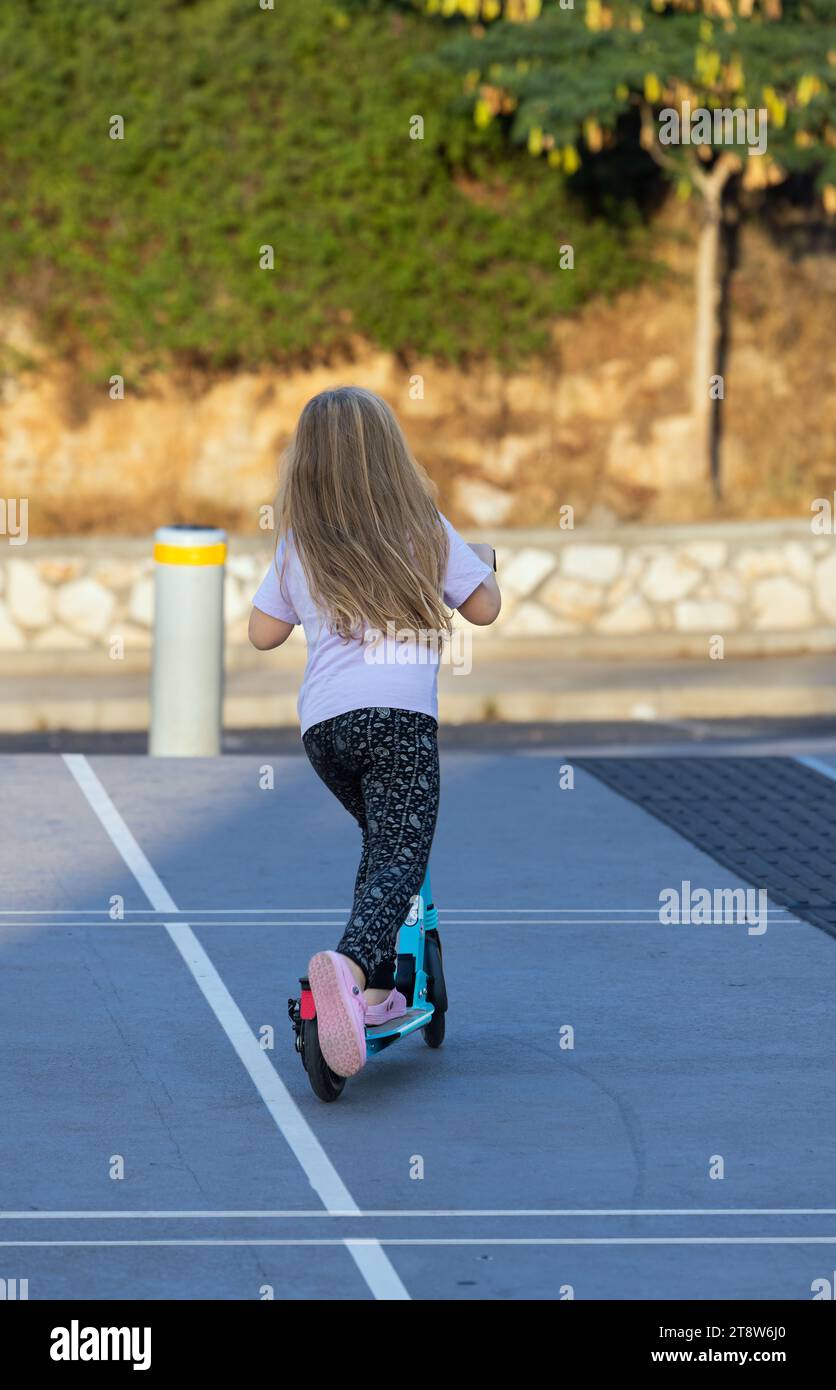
290,128
581,83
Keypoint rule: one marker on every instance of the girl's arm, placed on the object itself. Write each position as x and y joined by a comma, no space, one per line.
483,605
265,632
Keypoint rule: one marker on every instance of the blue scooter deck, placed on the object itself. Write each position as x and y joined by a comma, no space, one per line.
407,1023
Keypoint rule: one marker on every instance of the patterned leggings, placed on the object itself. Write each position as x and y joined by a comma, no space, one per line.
382,764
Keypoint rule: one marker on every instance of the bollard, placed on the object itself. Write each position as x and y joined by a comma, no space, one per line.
188,650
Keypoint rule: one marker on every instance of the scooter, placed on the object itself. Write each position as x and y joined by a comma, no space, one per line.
419,976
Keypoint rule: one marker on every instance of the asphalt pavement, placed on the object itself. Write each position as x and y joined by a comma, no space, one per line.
623,1108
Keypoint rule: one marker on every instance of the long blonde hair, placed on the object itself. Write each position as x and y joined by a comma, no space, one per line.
363,518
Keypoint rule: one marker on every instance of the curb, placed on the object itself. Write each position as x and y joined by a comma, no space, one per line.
639,703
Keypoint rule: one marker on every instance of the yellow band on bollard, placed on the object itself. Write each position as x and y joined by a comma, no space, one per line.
189,554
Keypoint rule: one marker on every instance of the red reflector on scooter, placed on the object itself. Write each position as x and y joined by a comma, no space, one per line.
307,1006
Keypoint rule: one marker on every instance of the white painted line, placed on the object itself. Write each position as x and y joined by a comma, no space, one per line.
818,765
180,911
374,1242
429,1212
299,912
784,917
191,913
372,1263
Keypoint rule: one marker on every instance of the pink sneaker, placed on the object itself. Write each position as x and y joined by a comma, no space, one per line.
392,1007
340,1013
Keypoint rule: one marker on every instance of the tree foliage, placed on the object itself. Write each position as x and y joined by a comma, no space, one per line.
563,75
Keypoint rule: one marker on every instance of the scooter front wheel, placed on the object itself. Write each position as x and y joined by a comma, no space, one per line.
324,1082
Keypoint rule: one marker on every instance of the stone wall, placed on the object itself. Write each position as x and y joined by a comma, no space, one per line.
764,587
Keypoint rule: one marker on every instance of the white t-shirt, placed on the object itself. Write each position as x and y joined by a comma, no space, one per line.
344,675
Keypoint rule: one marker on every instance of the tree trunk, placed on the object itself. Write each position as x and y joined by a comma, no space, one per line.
707,323
707,297
729,245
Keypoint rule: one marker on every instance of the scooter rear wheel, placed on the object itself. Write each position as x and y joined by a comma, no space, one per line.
324,1082
434,1031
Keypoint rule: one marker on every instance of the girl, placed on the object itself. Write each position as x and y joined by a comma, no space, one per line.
370,568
